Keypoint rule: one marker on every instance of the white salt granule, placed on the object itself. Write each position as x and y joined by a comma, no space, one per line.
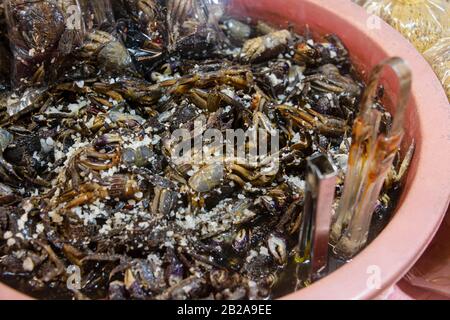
28,264
7,235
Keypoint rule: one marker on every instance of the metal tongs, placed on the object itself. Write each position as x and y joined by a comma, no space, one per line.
371,157
312,254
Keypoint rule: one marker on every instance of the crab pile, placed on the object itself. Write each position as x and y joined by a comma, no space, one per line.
88,181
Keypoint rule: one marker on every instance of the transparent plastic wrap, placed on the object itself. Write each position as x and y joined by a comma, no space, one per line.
439,58
423,22
42,33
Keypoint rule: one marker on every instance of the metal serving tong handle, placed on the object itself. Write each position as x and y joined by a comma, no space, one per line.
312,255
370,159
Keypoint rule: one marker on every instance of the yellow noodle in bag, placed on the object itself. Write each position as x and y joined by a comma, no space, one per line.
423,22
439,58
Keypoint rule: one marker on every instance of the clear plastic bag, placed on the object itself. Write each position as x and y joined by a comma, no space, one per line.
423,22
439,58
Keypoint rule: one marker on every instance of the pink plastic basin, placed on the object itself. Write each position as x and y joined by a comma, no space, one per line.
423,204
427,192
